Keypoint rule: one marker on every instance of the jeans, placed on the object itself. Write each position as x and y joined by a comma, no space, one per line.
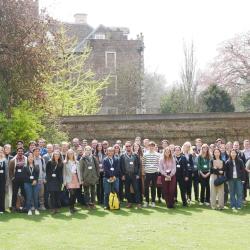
32,194
131,180
107,189
236,192
182,186
100,189
205,189
16,184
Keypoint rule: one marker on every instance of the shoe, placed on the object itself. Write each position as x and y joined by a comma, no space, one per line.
238,208
71,211
53,211
13,210
138,206
129,205
37,212
207,204
33,208
106,208
42,208
145,204
153,204
185,205
1,212
30,212
233,208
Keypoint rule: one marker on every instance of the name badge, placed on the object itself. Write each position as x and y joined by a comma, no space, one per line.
131,163
53,175
112,169
195,166
90,167
1,171
19,170
188,165
32,177
178,166
100,165
205,166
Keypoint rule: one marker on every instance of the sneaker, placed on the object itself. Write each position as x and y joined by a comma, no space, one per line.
129,205
42,208
37,212
233,208
145,204
153,204
1,212
239,208
207,204
138,206
30,212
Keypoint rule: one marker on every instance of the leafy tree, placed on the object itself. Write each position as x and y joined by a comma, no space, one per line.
172,102
216,99
245,101
24,124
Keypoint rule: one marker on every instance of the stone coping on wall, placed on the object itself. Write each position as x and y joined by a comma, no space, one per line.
155,117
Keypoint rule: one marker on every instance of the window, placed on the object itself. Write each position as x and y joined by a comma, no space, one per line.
100,36
110,60
111,90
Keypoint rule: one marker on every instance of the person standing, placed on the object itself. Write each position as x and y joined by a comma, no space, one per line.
90,175
195,175
217,170
235,173
100,155
111,175
167,168
204,172
3,175
54,179
16,167
150,163
187,152
72,177
31,186
130,167
40,163
181,173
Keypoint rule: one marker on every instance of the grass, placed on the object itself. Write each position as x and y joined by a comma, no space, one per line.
195,227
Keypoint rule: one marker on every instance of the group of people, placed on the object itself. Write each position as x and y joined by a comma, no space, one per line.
140,172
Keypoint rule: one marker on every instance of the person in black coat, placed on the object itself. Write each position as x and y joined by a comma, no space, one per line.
181,173
54,179
235,172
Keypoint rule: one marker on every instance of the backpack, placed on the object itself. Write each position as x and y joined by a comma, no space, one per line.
114,203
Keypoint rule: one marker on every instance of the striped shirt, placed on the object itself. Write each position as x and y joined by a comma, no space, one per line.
151,162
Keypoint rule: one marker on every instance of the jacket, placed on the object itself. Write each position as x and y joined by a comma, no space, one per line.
216,170
54,176
181,167
111,170
90,170
27,174
13,174
67,173
240,169
134,167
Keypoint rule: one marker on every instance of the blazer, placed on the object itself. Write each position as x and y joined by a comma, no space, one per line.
67,174
108,171
181,167
240,169
54,176
133,169
90,170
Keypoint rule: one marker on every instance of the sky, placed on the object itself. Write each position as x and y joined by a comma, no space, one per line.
165,24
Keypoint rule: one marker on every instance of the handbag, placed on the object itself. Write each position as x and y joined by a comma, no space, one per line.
220,180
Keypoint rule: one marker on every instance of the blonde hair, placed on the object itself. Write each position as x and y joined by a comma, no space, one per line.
187,143
67,155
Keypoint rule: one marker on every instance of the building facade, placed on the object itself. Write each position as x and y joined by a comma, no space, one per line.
115,56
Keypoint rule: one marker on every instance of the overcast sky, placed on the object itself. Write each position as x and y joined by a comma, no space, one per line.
165,24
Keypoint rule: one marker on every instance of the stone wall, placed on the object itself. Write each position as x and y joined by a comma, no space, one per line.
177,128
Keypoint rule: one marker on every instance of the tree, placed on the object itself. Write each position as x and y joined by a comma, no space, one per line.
215,99
72,86
245,101
188,77
155,88
25,53
172,102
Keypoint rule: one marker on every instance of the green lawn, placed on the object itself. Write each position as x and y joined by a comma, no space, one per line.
196,227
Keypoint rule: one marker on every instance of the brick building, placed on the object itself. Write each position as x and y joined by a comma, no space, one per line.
113,55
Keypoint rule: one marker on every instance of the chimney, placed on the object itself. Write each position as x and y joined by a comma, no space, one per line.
81,18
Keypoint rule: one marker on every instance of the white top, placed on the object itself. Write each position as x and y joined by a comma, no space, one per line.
234,171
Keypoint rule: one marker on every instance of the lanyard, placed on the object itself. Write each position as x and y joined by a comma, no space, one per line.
129,157
1,164
111,162
178,160
31,170
55,168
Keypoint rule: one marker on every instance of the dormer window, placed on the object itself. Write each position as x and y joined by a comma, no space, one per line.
100,36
